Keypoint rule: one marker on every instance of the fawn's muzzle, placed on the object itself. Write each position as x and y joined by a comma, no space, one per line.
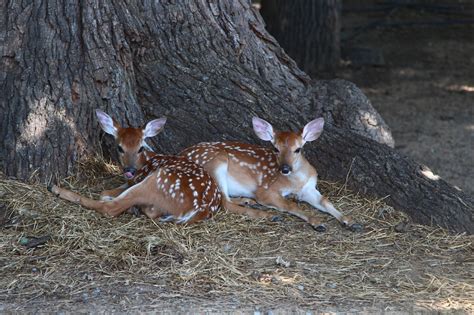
285,169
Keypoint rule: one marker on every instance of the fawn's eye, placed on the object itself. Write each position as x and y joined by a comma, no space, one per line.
276,150
141,149
298,150
119,148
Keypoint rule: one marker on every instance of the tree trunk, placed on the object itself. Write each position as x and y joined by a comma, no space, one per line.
308,30
207,66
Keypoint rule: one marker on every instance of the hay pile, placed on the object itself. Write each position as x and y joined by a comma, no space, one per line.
230,261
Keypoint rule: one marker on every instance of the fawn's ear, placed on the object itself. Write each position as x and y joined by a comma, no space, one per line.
313,130
154,127
107,123
263,129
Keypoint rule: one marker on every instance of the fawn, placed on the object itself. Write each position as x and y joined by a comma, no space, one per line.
168,188
268,176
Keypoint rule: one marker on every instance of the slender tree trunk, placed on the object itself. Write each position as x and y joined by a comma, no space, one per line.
209,66
308,30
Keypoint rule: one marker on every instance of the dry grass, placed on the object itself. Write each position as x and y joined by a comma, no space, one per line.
225,262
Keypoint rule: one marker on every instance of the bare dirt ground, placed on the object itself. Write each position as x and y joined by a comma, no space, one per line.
425,90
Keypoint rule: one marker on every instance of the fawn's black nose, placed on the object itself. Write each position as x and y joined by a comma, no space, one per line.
129,172
285,169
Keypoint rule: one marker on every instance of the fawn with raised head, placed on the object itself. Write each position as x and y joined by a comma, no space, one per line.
133,151
131,145
266,175
168,188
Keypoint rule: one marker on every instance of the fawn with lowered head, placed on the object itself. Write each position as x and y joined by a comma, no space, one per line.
168,188
266,175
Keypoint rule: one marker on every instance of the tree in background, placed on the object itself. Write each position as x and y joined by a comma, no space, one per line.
308,30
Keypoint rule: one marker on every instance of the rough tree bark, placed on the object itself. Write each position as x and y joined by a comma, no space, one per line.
308,30
209,66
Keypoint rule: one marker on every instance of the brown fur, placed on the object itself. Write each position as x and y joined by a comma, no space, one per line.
171,188
256,169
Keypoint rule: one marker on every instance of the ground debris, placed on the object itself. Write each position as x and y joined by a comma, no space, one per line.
230,259
281,262
33,242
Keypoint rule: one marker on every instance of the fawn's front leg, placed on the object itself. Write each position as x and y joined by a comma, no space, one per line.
110,194
274,200
252,213
312,196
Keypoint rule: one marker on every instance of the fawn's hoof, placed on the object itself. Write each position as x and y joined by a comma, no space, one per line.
106,198
356,227
276,218
321,227
248,202
52,188
135,211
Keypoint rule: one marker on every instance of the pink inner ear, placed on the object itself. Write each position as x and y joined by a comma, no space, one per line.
154,127
262,128
106,122
313,129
